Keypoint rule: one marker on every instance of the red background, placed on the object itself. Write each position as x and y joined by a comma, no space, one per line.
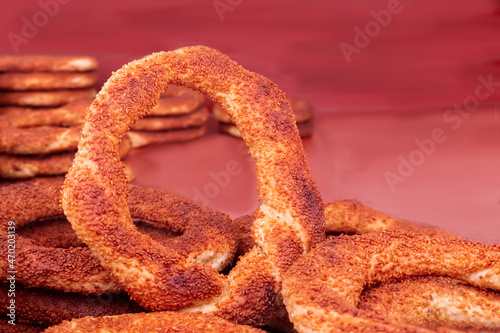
427,58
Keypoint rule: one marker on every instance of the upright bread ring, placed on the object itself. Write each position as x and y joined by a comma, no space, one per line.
289,222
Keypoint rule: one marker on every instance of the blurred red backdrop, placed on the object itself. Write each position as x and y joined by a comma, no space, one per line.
429,54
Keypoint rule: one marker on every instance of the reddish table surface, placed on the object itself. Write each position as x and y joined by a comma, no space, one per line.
371,109
456,186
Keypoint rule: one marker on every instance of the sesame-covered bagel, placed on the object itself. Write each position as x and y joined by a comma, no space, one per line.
67,115
302,110
46,140
46,63
289,222
9,110
46,81
322,289
44,98
352,217
158,322
38,140
74,114
29,166
50,307
205,237
431,301
54,139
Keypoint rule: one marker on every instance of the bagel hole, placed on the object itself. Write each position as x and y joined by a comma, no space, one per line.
57,232
155,230
51,232
336,234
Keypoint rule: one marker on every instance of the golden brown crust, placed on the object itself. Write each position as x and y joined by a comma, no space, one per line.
169,115
38,140
34,180
289,222
145,138
352,217
50,307
345,216
194,119
45,140
29,166
46,63
20,110
49,98
158,322
30,200
206,236
67,115
302,110
46,81
434,302
322,289
129,172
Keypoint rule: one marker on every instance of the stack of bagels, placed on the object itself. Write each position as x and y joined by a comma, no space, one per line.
45,81
180,115
43,98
